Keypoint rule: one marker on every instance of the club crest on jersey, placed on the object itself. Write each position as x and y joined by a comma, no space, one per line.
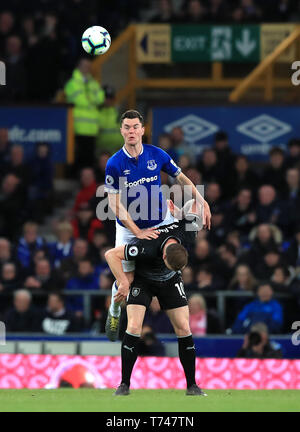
151,165
135,292
109,180
133,251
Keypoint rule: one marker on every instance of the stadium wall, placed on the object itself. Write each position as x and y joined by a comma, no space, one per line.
46,371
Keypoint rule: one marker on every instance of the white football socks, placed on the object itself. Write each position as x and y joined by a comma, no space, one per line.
115,308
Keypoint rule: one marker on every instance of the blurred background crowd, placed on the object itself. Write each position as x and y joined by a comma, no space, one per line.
41,38
253,246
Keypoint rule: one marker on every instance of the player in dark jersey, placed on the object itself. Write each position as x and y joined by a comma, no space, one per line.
158,273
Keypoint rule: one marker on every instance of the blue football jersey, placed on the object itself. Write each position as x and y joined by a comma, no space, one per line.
138,181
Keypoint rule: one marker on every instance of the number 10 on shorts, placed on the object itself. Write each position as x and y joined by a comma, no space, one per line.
180,288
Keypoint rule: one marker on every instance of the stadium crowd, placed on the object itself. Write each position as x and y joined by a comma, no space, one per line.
41,38
253,246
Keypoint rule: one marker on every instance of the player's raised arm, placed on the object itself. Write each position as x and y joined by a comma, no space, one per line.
119,210
114,259
183,180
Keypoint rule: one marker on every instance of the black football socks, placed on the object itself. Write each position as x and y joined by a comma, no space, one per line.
129,355
187,356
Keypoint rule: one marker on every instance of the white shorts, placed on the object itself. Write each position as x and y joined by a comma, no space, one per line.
124,235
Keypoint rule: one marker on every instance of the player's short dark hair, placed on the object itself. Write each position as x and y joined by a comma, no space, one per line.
132,114
176,256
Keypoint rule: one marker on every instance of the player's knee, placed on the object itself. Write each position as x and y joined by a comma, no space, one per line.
182,329
134,328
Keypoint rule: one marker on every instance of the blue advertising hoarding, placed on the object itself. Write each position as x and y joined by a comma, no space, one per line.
28,125
252,130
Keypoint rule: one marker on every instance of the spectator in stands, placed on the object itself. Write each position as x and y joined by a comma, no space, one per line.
69,266
251,12
101,165
225,156
17,165
85,223
242,281
99,240
17,86
165,142
63,247
292,198
274,173
193,11
184,162
165,13
202,321
241,177
29,243
293,159
241,215
9,280
7,28
213,195
263,237
6,252
263,309
208,166
12,206
268,209
227,255
293,253
280,279
85,93
43,278
157,319
41,184
148,344
86,280
207,280
271,260
88,187
5,147
109,137
23,317
180,146
257,344
218,11
56,319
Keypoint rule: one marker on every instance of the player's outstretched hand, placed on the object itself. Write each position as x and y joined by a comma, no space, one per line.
174,210
123,290
148,234
206,216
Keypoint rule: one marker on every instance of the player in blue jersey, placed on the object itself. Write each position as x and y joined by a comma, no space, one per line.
134,172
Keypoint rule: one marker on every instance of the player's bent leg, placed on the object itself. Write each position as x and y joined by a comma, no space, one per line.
112,325
131,338
179,318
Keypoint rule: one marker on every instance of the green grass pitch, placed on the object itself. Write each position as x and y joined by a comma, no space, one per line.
92,400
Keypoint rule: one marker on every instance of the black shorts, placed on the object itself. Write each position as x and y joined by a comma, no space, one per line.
170,293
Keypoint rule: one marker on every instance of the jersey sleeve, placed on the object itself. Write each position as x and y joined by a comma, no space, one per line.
142,249
111,178
167,164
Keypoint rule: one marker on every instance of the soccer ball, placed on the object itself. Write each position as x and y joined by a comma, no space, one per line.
96,40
